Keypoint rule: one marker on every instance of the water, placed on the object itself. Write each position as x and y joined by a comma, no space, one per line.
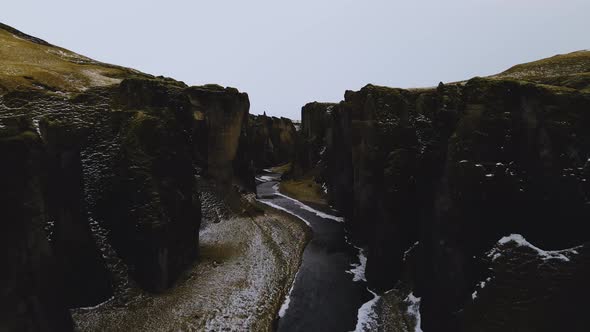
324,296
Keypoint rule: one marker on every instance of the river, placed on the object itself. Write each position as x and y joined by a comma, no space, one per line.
329,292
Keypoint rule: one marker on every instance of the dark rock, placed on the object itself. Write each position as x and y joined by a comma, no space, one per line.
31,291
272,140
525,290
456,168
218,114
311,141
154,214
84,272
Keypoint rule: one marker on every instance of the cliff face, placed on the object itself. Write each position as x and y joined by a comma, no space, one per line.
84,271
106,164
31,288
220,115
311,141
271,140
455,169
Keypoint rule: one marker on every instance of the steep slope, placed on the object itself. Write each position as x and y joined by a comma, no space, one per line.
29,63
571,70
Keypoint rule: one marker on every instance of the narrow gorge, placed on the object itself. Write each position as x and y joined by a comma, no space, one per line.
133,202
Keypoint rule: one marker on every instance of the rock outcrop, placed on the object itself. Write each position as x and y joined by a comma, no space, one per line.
271,140
30,284
103,177
312,139
454,169
220,115
84,270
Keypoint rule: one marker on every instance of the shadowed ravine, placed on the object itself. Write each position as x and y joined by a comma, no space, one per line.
324,296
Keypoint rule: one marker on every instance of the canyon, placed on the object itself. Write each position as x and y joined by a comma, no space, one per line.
136,202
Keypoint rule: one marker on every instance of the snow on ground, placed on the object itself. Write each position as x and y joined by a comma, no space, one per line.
285,304
265,178
36,125
238,283
407,252
358,270
481,285
278,207
367,316
414,310
520,241
309,208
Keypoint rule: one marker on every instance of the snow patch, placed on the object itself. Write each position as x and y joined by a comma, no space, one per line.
98,305
407,252
414,310
285,305
367,317
310,209
278,207
36,125
358,270
266,178
520,241
481,285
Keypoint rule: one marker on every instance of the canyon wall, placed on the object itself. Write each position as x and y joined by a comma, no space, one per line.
31,282
271,140
115,196
440,175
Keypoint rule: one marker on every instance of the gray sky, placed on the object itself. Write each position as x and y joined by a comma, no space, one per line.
285,54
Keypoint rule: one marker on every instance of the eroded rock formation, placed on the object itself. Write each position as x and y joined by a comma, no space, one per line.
31,280
109,165
455,168
272,140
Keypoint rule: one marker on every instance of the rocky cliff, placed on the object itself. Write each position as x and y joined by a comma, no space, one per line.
449,171
31,279
109,163
271,140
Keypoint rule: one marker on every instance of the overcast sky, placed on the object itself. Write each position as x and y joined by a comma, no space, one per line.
285,54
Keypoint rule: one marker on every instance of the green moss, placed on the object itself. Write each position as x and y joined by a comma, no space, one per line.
304,189
570,70
26,64
282,169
